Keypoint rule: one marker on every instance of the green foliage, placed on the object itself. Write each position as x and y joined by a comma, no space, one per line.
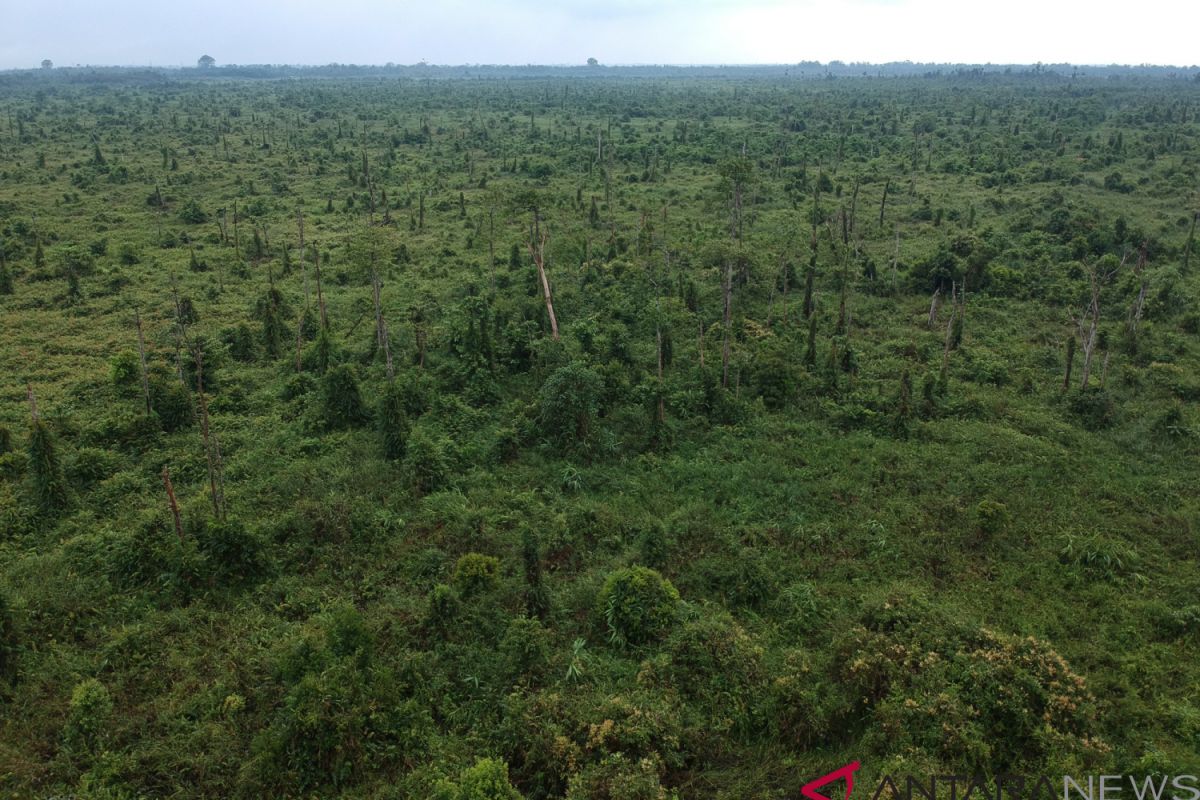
393,422
486,780
341,401
8,640
475,573
88,718
425,460
334,726
637,606
234,554
568,404
719,667
323,641
991,517
126,373
48,483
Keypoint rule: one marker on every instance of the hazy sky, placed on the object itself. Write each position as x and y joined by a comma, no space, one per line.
177,32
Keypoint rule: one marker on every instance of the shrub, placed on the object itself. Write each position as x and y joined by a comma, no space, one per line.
476,573
393,422
341,401
568,404
87,466
8,640
652,547
637,605
717,665
234,554
444,607
1093,407
172,403
46,473
126,372
618,777
486,780
335,725
87,717
525,647
347,634
425,460
991,517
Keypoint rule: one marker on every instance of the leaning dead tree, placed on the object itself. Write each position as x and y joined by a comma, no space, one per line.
1088,322
539,258
1135,311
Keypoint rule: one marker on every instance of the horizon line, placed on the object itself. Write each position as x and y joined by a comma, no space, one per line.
614,65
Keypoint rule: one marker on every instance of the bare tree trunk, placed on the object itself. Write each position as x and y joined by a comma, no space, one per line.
1070,363
211,449
1135,312
174,505
492,247
700,342
726,320
142,358
883,202
539,255
933,307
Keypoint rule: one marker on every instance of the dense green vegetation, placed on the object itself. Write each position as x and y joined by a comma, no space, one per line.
869,432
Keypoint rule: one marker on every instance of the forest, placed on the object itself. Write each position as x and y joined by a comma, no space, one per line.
614,435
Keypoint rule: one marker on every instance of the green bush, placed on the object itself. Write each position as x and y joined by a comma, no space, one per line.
525,648
234,554
172,402
341,401
637,605
716,665
991,517
444,607
486,780
425,460
8,640
125,371
476,573
87,718
567,406
48,482
333,727
393,422
1093,407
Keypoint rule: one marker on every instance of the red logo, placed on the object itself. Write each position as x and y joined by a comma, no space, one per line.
847,772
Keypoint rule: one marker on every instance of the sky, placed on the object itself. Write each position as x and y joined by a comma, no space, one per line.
177,32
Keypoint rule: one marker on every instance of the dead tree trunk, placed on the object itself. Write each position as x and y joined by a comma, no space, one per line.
726,320
212,451
1089,322
172,503
1135,311
539,258
1070,363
